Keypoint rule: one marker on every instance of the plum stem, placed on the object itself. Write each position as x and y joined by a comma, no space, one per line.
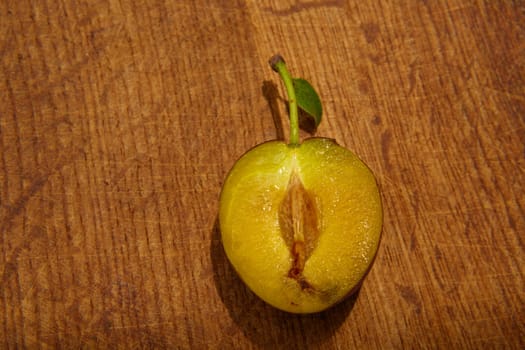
277,63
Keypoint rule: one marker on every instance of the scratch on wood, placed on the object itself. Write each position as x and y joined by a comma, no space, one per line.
14,209
11,265
301,6
11,211
386,137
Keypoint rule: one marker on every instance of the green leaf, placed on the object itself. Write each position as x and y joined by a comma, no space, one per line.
308,99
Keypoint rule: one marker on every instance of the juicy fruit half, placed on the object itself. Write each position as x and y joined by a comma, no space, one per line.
300,224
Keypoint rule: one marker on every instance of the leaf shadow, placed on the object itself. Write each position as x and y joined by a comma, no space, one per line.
263,324
271,94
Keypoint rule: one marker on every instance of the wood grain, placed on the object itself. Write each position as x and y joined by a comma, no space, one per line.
120,119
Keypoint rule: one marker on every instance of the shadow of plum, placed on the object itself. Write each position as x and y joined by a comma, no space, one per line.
263,324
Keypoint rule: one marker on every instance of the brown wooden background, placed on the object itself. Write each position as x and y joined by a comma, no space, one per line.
120,119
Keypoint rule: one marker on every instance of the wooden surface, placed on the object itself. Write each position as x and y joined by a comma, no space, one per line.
120,119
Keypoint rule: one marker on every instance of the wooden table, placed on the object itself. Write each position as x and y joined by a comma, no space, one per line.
119,121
